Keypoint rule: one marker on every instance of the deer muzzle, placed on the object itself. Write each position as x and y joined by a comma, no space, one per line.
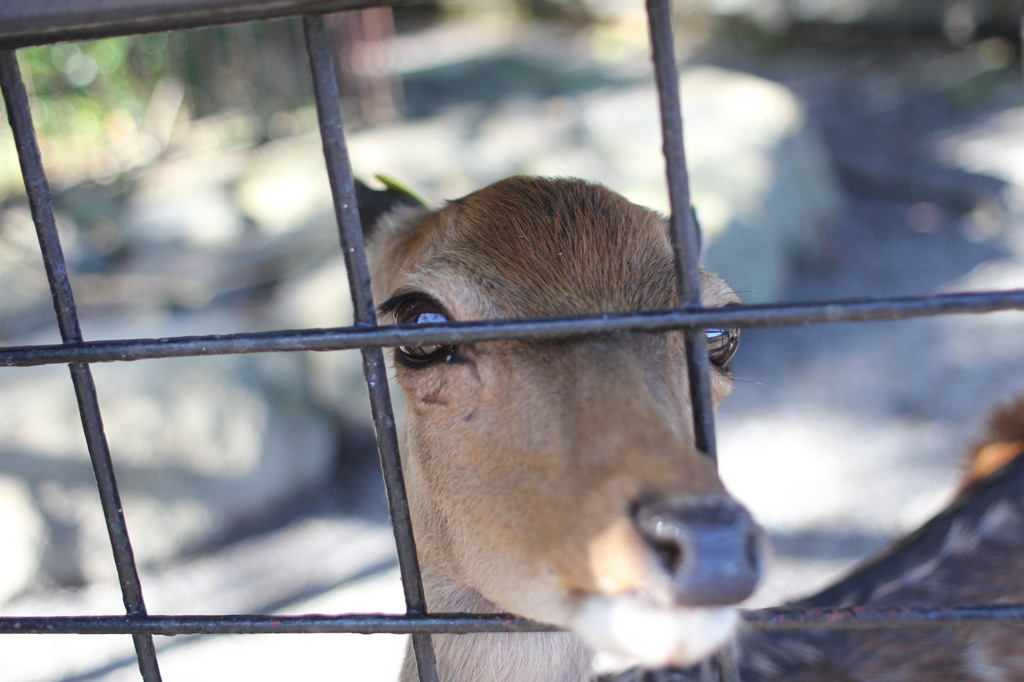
710,547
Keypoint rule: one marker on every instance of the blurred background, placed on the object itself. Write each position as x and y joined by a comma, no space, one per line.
837,149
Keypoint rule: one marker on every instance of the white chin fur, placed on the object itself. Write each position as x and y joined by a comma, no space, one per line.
640,632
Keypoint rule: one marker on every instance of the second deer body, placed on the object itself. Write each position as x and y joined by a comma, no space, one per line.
967,555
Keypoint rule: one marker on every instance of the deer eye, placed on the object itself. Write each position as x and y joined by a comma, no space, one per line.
416,310
722,345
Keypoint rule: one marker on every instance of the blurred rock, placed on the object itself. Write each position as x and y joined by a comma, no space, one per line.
200,446
21,536
761,177
283,187
320,298
156,215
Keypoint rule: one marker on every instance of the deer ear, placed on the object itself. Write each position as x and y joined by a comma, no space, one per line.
375,203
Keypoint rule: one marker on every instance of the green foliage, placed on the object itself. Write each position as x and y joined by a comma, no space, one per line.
105,106
85,96
76,85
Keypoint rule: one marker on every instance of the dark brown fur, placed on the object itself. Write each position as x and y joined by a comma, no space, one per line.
972,553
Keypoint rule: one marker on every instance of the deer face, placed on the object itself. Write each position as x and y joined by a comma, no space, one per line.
559,479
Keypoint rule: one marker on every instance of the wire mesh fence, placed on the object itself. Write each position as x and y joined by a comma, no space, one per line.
57,20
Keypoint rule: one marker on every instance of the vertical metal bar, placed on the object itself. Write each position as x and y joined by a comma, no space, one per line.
683,227
38,190
686,244
325,88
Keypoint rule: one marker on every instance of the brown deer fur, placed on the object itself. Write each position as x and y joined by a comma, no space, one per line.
525,460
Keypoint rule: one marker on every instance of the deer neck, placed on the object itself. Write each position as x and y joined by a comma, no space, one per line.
501,657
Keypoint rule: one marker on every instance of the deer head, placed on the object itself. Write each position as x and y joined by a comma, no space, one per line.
558,479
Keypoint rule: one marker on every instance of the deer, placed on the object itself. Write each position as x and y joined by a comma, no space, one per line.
558,479
969,554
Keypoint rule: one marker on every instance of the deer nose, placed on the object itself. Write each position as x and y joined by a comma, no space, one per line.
710,547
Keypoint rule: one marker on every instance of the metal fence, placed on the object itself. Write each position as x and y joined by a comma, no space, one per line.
23,24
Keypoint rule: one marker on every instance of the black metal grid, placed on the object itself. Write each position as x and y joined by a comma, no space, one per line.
24,24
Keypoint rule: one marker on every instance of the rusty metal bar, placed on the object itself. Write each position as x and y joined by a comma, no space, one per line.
341,338
683,230
862,617
38,190
371,623
769,619
682,225
339,171
25,23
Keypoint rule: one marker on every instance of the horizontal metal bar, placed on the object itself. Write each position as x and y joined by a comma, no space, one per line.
48,21
779,618
862,617
254,624
342,338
